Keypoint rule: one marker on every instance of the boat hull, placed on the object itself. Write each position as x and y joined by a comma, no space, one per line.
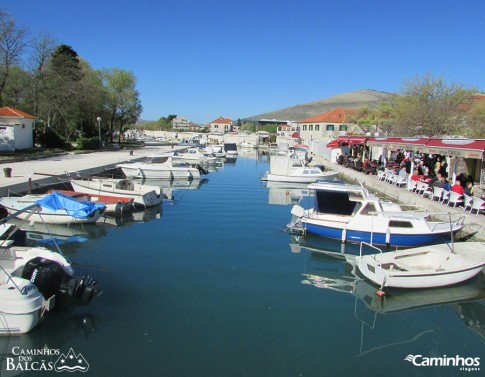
424,267
377,238
13,205
299,178
19,313
146,196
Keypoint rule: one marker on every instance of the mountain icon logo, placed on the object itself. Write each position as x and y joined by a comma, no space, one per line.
71,363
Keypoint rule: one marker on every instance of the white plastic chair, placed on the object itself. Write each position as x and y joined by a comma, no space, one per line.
381,176
437,193
467,201
400,181
455,198
478,205
422,189
411,185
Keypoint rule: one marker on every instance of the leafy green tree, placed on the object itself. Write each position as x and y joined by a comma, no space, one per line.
123,103
429,106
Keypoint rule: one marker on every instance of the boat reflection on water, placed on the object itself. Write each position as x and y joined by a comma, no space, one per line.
285,193
337,271
40,234
170,187
143,216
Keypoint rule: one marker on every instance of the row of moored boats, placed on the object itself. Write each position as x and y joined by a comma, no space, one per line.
33,280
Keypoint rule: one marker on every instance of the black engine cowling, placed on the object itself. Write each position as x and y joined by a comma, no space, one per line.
50,279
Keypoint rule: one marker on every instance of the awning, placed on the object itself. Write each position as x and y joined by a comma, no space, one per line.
394,143
295,135
356,140
336,143
467,148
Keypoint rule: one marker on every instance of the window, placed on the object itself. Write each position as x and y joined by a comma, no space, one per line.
304,127
342,127
310,127
330,127
317,127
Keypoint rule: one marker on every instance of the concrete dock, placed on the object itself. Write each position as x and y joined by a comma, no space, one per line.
35,174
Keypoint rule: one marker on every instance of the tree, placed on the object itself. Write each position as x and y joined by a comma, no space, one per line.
428,106
12,44
475,120
123,103
377,119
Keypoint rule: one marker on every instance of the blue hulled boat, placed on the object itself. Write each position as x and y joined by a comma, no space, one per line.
349,213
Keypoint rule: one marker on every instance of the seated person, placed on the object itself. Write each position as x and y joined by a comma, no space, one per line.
470,188
458,188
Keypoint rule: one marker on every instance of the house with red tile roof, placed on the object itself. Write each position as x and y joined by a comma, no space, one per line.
328,125
16,129
221,125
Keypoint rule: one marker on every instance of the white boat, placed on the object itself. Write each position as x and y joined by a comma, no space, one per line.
231,150
159,167
31,280
348,212
194,155
143,195
216,150
424,267
53,208
288,169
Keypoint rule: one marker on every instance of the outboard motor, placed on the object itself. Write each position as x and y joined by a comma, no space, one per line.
201,169
322,168
50,278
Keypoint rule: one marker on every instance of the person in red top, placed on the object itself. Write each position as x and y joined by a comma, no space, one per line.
458,188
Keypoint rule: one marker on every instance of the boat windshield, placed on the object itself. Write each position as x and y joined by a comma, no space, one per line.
335,203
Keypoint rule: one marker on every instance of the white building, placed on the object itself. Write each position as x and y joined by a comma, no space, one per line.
221,125
16,130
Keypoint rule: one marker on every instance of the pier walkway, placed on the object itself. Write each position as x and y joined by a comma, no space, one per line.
33,174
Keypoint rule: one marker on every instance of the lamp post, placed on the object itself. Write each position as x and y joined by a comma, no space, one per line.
99,130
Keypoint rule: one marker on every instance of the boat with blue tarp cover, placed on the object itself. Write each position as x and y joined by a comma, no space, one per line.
54,208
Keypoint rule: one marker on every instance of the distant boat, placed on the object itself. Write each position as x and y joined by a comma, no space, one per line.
143,195
195,155
349,213
53,208
230,149
288,169
424,267
160,167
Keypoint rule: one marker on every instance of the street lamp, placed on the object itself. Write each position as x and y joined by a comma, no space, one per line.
99,130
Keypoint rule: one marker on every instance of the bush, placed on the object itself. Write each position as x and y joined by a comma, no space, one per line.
87,143
50,139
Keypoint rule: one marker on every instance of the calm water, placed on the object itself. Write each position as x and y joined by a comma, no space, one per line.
212,286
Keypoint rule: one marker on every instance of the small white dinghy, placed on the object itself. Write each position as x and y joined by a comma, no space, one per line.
424,267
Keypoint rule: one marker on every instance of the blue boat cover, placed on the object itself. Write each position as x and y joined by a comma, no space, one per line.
75,208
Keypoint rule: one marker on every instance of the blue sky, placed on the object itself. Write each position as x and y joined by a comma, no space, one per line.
206,58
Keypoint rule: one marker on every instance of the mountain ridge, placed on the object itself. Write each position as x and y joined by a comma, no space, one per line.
353,99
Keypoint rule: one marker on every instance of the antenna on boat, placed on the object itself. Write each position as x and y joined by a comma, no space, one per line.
451,234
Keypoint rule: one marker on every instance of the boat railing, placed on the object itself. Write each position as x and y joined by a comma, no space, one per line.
23,291
371,247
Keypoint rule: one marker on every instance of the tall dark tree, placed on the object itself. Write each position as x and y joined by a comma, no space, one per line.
12,44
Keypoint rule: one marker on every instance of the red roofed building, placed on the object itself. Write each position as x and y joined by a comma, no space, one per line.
16,129
327,125
221,125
